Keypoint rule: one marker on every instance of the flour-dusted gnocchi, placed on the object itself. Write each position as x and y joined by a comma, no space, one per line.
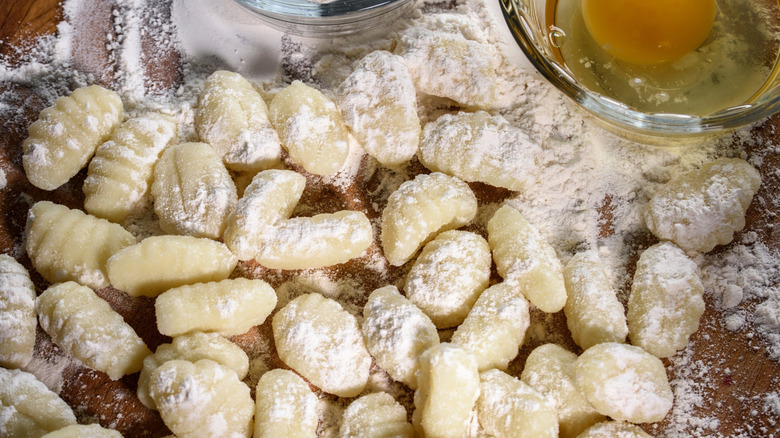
85,326
285,406
65,136
375,415
624,382
193,191
28,408
321,341
449,65
448,388
495,327
703,208
614,429
419,209
549,369
270,198
509,408
202,399
65,244
480,147
18,319
192,347
593,312
525,259
396,333
159,263
228,307
448,276
233,118
310,128
83,431
378,102
121,172
666,300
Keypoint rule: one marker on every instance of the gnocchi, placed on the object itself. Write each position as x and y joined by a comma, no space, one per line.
480,147
18,319
228,307
375,415
85,326
233,118
666,300
192,190
28,408
70,245
120,174
285,406
396,333
310,128
702,208
83,431
420,208
159,263
321,341
65,136
378,103
614,429
524,258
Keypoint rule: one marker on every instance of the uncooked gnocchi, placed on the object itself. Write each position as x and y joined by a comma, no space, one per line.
233,118
310,128
375,415
159,263
624,382
593,312
193,191
65,136
396,333
495,327
18,319
549,369
285,406
421,208
83,431
524,258
228,307
448,276
121,172
378,102
666,300
614,429
321,341
202,400
703,208
65,244
509,408
28,408
480,147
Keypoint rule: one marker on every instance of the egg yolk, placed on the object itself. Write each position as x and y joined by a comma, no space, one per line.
648,32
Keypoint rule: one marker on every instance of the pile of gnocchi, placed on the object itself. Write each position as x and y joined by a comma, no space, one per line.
211,224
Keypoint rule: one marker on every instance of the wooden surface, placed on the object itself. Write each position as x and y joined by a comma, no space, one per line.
737,368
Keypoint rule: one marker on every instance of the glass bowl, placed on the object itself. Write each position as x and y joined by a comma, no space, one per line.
532,25
327,19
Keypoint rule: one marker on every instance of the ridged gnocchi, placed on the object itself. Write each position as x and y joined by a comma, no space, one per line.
375,415
233,118
322,342
285,406
159,263
121,171
65,136
448,276
421,208
523,258
310,128
66,244
18,319
28,408
83,431
396,333
86,327
192,190
378,103
480,147
614,429
228,307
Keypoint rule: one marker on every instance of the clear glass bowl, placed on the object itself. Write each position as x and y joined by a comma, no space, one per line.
325,20
539,40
